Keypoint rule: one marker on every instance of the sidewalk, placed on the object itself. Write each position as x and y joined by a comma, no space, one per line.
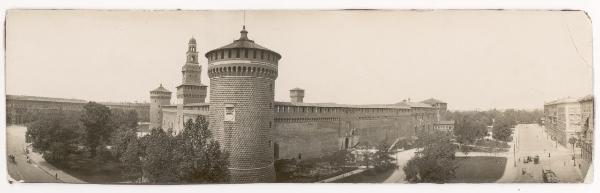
357,171
38,161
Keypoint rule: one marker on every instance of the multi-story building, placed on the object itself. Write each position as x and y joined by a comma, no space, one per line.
587,133
23,109
256,130
562,119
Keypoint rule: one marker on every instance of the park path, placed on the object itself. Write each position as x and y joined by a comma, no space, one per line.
402,158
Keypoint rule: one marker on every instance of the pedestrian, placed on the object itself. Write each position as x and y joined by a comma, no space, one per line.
56,175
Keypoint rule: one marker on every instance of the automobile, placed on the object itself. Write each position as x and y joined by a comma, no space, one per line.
549,176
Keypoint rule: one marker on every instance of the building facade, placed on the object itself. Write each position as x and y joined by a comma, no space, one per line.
562,119
587,133
24,109
256,130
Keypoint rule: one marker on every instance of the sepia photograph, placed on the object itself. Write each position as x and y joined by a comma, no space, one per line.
298,96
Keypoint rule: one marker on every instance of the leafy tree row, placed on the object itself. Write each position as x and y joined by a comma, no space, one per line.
192,156
471,126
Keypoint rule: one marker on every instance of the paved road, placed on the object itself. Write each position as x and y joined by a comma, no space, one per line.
21,170
36,171
531,140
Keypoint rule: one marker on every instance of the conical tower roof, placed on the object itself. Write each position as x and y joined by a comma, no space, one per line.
161,89
243,42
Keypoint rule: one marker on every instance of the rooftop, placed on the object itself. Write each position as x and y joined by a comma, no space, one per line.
161,89
561,101
45,99
243,42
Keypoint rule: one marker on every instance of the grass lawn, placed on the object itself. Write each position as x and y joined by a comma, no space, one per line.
92,170
479,169
367,177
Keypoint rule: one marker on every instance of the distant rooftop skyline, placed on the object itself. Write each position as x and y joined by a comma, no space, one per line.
468,59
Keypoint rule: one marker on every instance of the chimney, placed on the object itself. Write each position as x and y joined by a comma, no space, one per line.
297,95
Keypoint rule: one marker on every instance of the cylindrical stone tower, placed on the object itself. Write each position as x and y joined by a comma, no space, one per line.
242,81
158,97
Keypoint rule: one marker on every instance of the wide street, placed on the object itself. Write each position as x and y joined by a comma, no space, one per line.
531,140
36,171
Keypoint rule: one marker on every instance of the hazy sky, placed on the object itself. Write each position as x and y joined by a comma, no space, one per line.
470,59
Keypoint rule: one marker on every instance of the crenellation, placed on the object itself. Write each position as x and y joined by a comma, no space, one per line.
256,130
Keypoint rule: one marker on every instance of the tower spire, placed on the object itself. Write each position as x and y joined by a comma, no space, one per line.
244,33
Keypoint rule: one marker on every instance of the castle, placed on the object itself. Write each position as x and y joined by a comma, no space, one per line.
256,130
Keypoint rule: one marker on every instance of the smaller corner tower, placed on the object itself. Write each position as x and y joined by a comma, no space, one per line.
158,98
191,89
297,95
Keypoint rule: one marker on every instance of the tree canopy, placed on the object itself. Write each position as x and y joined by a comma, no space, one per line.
191,156
434,162
56,135
96,119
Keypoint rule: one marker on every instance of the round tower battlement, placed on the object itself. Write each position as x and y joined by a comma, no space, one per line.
243,57
242,80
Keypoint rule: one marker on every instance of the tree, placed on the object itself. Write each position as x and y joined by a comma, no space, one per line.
199,158
435,162
470,127
192,156
125,125
382,159
131,163
158,163
96,121
55,135
502,129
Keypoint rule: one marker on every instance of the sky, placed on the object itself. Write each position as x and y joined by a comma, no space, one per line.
469,59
